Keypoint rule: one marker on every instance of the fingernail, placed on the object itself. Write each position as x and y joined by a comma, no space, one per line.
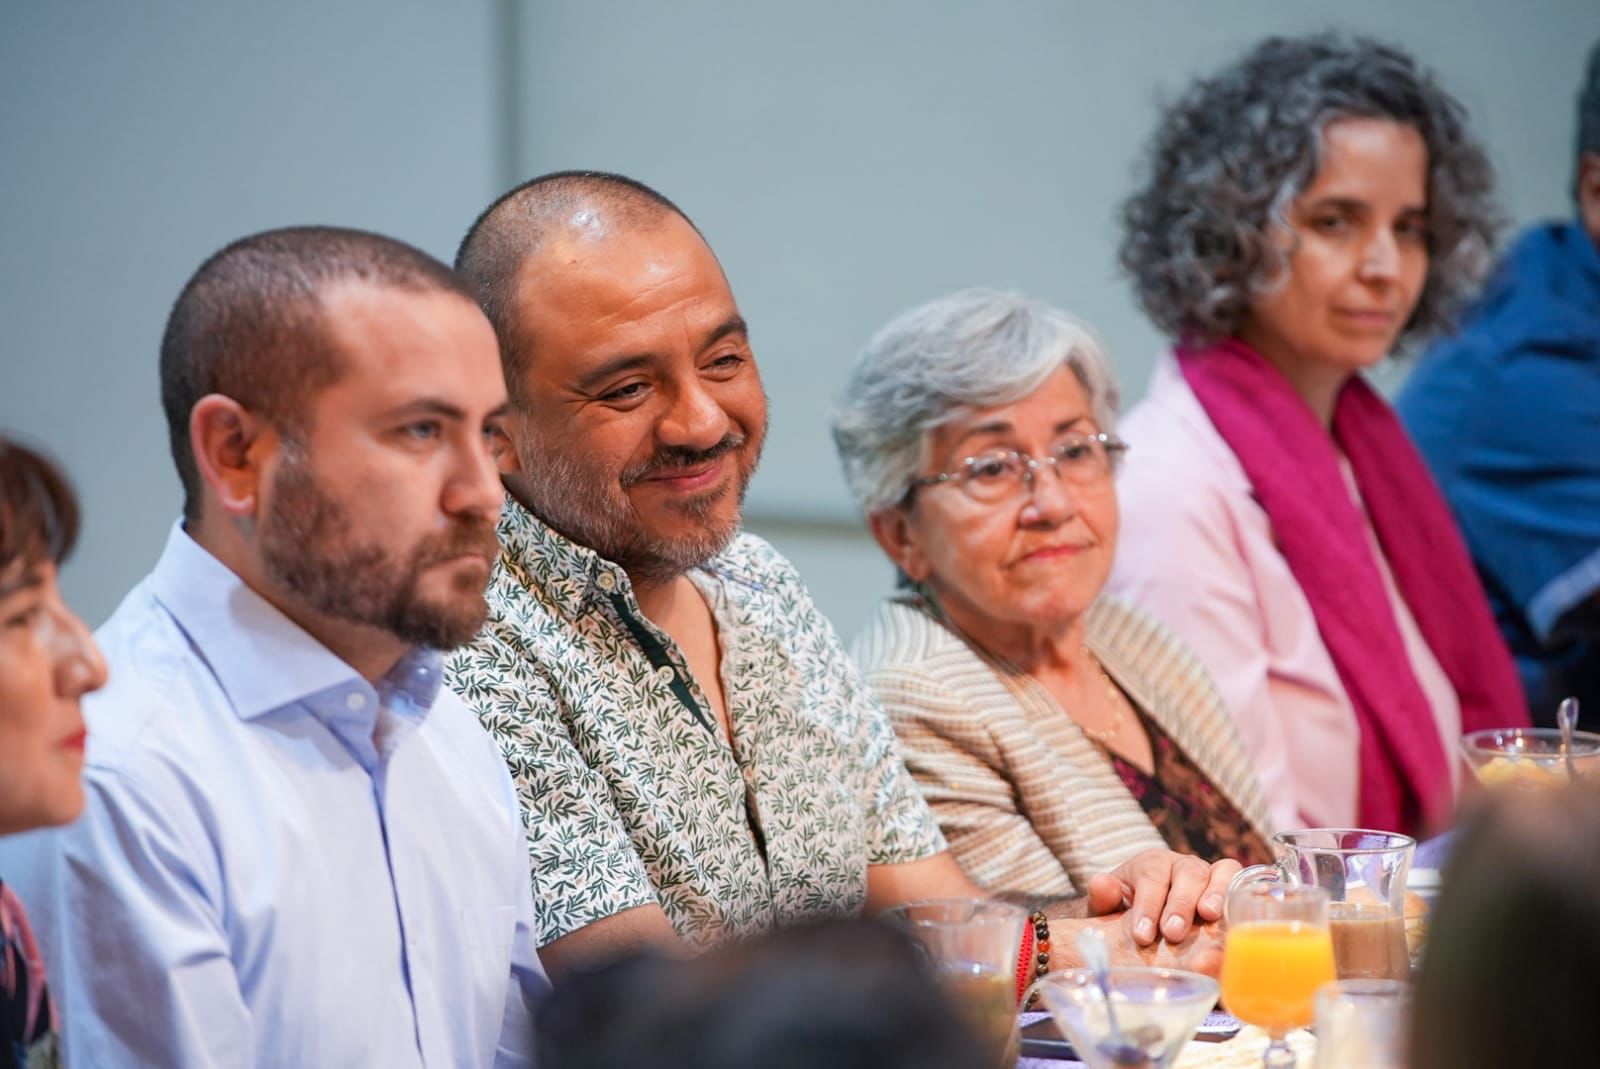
1173,926
1213,903
1145,930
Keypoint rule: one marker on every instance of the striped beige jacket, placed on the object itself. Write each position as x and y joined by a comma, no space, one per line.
1028,803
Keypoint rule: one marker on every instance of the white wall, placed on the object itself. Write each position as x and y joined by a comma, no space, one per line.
846,159
849,160
139,138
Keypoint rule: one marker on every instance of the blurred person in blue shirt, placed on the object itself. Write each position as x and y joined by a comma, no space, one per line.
298,850
1507,412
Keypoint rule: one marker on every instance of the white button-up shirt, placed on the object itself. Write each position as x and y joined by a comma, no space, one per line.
279,865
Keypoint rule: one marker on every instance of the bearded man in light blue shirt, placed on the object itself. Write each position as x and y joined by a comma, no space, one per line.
298,849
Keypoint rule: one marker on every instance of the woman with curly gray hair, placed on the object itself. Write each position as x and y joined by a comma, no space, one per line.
1303,211
1055,733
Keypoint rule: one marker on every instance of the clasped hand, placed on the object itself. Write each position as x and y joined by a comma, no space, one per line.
1163,908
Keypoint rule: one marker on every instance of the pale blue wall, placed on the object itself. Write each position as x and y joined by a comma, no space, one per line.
138,138
847,160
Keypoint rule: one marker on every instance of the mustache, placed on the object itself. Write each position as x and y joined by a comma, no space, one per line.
674,457
467,536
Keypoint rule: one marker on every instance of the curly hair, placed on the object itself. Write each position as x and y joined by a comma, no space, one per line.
1232,153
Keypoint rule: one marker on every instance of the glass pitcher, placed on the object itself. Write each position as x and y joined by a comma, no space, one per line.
1364,873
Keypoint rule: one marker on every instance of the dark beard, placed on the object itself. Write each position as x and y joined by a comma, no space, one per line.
307,551
579,507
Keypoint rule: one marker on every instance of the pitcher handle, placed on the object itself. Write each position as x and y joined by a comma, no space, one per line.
1252,875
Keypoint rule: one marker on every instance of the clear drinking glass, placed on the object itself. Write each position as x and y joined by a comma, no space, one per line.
973,944
1361,1024
1278,952
1530,757
1152,1013
1364,873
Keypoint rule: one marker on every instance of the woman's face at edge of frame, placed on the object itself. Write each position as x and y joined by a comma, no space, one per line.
1357,252
1036,561
48,661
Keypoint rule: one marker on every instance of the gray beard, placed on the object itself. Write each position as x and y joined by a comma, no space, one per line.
568,500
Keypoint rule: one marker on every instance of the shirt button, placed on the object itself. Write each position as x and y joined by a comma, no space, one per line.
666,674
355,701
607,581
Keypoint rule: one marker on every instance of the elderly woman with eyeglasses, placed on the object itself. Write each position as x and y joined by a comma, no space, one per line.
1304,210
1055,732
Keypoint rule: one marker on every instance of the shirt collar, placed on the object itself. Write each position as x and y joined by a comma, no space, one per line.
354,711
573,576
263,660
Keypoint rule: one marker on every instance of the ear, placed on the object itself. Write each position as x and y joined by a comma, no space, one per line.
893,530
505,457
228,440
1588,193
503,447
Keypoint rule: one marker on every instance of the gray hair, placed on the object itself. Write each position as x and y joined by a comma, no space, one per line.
1232,153
943,360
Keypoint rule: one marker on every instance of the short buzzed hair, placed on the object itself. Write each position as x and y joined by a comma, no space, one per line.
249,324
516,225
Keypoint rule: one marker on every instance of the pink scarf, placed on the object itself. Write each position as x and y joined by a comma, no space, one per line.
1293,466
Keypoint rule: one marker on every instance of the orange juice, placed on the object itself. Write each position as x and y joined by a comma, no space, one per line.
1271,970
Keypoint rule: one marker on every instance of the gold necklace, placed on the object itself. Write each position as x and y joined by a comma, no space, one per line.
1114,698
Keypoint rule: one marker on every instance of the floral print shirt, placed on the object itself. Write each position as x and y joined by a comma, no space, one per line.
631,791
27,1022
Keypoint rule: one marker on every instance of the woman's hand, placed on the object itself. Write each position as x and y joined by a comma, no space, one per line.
1163,893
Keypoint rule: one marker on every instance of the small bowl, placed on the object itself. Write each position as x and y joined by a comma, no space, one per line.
1529,757
1157,1011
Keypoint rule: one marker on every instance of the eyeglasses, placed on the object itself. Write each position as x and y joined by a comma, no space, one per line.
996,476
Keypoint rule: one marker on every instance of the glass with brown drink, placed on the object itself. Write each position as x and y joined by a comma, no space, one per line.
1364,873
973,944
988,999
1369,941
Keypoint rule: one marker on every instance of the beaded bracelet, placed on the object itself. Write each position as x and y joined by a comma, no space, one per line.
1040,926
1033,957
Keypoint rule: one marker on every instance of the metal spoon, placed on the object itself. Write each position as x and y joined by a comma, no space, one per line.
1566,720
1097,956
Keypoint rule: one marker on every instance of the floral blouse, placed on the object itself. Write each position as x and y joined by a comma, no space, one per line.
1186,808
27,1021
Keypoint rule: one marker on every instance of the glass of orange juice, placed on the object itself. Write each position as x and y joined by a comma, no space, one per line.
1279,951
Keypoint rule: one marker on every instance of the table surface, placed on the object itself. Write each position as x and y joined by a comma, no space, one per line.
1241,1052
1244,1050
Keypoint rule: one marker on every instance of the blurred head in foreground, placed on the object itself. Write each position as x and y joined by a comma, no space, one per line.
48,660
1513,953
841,995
